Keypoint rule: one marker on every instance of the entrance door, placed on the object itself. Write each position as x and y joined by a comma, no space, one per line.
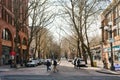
5,54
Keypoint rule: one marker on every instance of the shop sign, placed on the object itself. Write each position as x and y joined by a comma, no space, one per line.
116,48
12,53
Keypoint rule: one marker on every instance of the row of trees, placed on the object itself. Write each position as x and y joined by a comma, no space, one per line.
80,15
36,16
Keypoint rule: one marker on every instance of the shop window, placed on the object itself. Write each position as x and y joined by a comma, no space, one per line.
5,54
118,28
118,56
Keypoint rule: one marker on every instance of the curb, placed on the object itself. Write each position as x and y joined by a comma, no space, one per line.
4,70
107,72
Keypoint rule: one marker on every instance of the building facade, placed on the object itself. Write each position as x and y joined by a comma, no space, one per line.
111,14
8,30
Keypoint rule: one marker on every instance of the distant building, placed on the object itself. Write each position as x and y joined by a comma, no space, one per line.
8,31
111,14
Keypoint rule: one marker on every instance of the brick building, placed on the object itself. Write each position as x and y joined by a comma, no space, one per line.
111,14
8,30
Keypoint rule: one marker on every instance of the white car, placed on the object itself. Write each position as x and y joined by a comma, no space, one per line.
36,61
31,63
82,62
47,60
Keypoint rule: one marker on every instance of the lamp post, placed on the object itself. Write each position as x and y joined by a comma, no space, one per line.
109,29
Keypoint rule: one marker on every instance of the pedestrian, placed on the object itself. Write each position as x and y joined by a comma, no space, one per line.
75,62
48,64
110,59
78,63
55,66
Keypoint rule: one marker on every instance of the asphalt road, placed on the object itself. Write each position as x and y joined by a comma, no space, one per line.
66,72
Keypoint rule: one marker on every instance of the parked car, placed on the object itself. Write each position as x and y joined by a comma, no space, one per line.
42,61
37,61
70,60
48,60
32,63
82,62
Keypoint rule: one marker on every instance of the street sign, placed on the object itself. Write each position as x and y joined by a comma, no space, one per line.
111,40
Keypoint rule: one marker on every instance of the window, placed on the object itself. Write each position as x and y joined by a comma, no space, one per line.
6,34
10,5
10,19
109,17
106,35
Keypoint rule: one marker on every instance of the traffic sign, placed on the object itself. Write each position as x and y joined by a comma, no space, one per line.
111,40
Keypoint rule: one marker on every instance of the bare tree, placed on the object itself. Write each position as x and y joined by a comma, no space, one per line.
80,15
41,16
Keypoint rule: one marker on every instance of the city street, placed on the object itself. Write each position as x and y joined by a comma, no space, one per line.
35,32
66,72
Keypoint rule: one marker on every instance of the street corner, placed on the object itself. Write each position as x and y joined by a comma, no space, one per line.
106,71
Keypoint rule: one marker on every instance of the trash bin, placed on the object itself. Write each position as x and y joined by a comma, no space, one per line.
95,64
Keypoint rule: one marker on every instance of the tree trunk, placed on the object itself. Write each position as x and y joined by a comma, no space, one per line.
79,51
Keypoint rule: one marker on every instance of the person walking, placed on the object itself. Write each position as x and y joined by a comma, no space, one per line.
55,66
48,64
75,62
78,63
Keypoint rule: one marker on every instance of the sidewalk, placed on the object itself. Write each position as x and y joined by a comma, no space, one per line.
100,69
6,68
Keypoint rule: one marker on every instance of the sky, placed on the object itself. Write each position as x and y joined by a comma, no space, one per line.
59,27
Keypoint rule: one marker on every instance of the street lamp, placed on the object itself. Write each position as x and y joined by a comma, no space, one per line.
110,30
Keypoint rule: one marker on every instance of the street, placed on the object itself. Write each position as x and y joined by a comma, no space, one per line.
66,72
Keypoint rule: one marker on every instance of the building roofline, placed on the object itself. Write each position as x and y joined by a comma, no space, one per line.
110,7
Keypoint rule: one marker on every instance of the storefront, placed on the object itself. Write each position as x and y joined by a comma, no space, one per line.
116,52
5,54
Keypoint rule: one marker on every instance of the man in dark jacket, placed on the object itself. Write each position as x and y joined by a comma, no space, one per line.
78,63
48,64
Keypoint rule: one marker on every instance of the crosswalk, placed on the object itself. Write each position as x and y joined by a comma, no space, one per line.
27,77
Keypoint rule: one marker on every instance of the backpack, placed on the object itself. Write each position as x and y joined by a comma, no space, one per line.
55,63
